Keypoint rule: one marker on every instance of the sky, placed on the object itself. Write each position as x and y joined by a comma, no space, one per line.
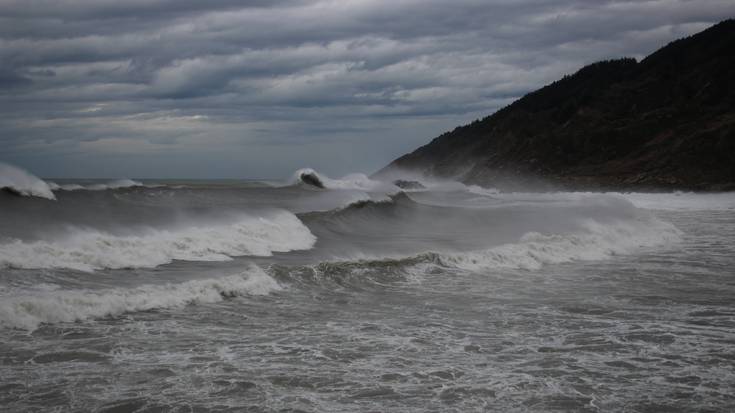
258,89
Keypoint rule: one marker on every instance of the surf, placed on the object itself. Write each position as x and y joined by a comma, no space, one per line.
88,249
28,309
115,184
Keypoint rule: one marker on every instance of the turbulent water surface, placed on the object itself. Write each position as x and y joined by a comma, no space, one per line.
258,296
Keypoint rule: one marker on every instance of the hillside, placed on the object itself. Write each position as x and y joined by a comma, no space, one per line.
665,122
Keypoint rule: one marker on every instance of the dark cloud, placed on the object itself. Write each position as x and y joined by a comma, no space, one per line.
10,79
259,88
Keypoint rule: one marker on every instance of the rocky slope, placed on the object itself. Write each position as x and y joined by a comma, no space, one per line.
665,122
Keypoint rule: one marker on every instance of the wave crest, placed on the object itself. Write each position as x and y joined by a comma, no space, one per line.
89,250
534,250
28,311
23,183
117,184
355,181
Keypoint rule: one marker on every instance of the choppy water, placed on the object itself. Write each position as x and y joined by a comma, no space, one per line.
244,296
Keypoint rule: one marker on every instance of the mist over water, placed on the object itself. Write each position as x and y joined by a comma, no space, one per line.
361,296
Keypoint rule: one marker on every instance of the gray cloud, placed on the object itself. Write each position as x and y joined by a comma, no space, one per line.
259,88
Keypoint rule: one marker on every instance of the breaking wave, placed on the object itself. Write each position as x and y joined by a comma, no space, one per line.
357,181
86,249
495,237
20,182
117,184
534,250
30,309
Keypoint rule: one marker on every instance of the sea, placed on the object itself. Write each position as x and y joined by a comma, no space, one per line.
319,294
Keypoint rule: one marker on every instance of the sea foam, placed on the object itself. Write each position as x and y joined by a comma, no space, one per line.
30,309
116,184
88,249
596,241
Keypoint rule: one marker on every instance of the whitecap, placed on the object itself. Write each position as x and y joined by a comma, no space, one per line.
23,183
31,309
87,249
596,241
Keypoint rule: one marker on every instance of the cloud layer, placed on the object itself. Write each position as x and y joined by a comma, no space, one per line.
225,88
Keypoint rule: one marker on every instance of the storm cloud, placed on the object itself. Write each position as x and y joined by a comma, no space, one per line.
224,88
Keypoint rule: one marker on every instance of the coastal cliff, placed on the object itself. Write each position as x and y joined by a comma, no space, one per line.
666,122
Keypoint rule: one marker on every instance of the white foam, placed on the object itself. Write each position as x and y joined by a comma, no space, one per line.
592,241
23,182
30,310
88,250
66,187
117,184
597,241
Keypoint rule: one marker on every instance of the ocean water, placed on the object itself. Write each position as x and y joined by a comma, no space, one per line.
131,296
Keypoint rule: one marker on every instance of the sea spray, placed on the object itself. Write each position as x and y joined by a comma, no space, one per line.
22,183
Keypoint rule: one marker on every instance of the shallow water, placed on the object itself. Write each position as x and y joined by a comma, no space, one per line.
440,300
